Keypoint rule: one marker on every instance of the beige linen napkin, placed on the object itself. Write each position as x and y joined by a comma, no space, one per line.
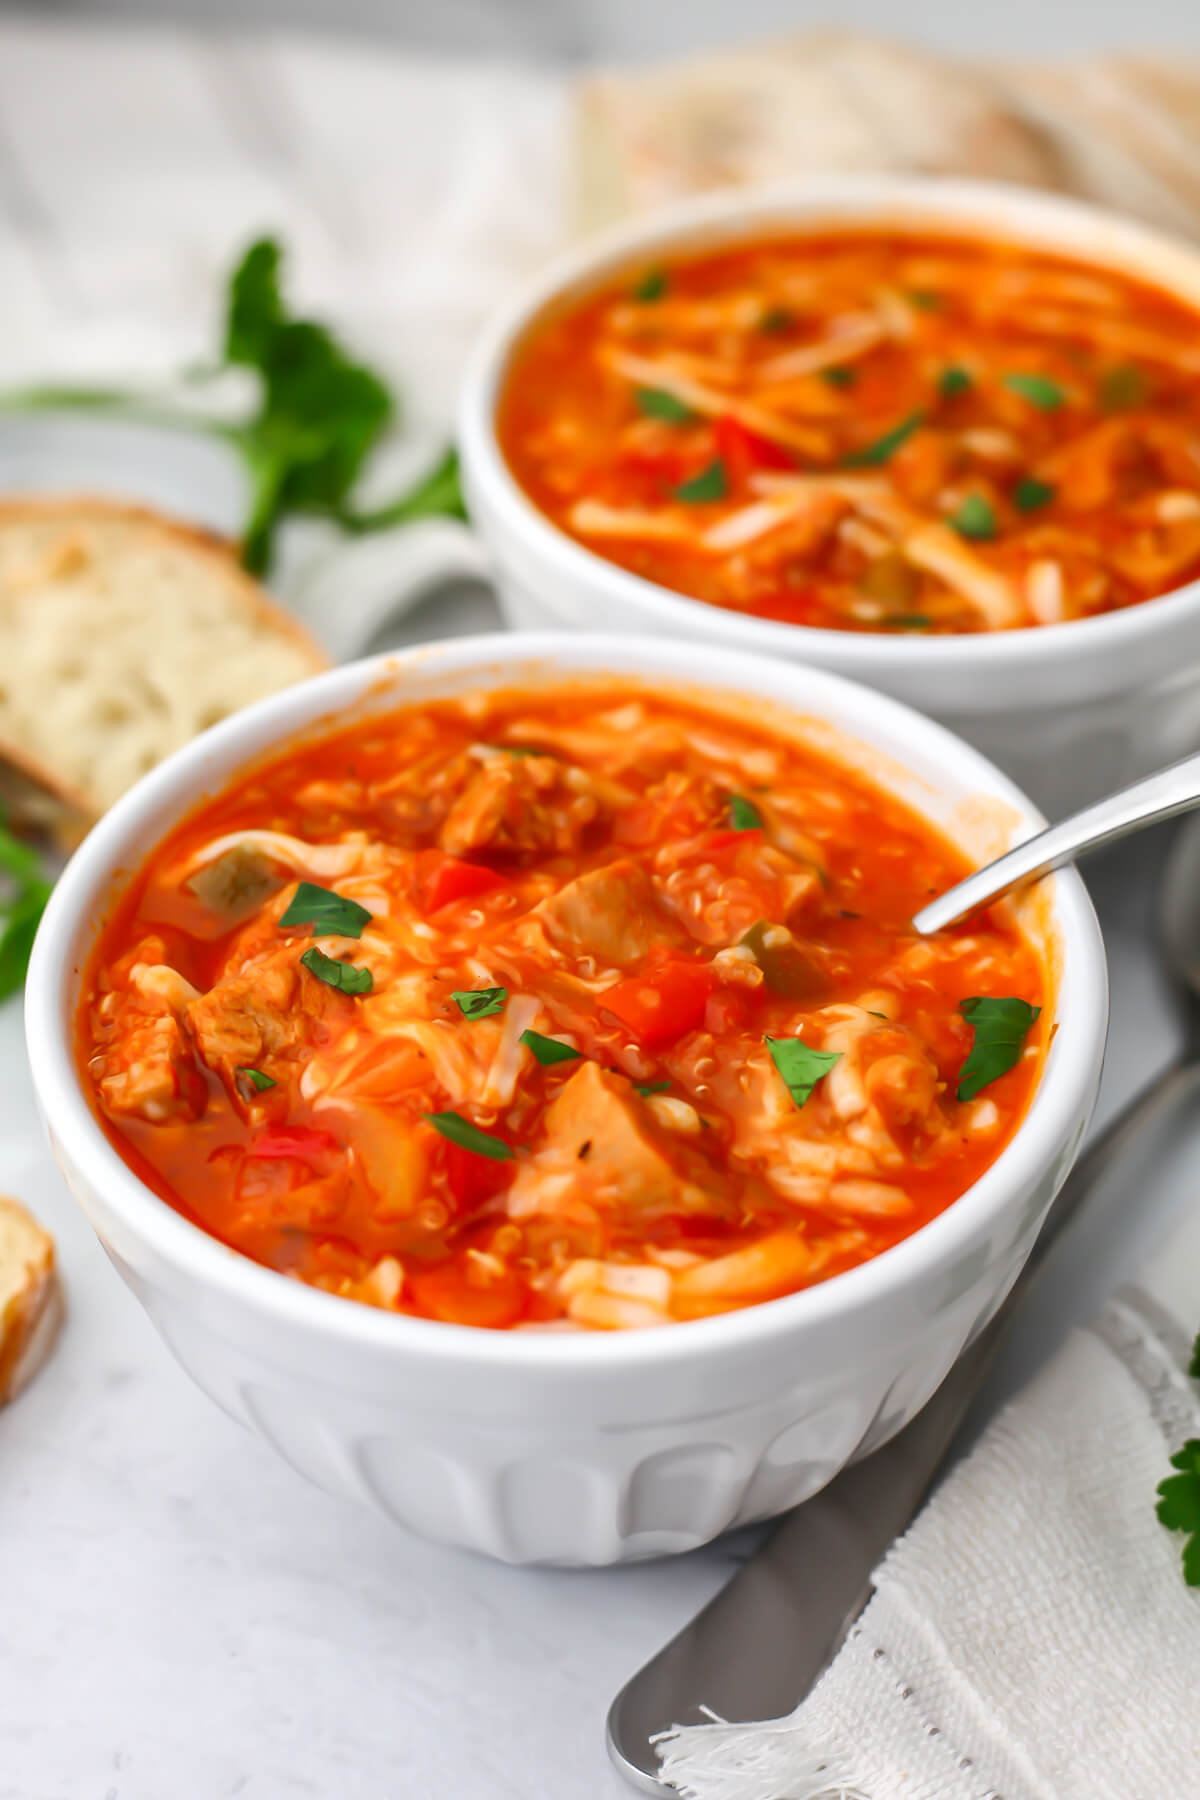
1031,1637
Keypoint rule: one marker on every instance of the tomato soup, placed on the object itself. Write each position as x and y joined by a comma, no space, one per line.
564,1009
872,432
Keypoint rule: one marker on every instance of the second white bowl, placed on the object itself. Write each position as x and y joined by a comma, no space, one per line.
1069,711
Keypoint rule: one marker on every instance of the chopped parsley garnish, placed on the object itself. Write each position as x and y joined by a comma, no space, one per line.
777,318
1179,1501
328,913
1030,493
479,1003
658,403
347,977
842,375
743,814
871,455
548,1050
800,1068
652,286
954,381
460,1131
924,300
255,1079
1001,1026
909,621
1122,387
647,1088
974,518
709,484
1039,390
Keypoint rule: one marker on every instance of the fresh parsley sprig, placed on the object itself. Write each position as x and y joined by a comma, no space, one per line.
318,414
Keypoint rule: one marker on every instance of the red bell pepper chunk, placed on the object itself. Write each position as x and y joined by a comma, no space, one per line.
662,1004
299,1141
442,879
472,1179
743,451
724,840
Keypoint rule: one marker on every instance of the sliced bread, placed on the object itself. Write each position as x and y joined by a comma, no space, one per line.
125,634
31,1304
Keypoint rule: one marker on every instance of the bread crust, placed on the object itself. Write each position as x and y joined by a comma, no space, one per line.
31,1299
37,791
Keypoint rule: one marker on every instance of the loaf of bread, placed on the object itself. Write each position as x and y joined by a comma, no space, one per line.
31,1305
1120,130
827,102
125,634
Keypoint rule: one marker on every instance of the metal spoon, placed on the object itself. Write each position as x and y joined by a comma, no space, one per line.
757,1649
1160,796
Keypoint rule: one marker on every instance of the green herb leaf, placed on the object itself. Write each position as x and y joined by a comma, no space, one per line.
329,914
776,319
743,814
709,484
347,977
1039,390
652,286
1030,493
646,1088
21,915
254,310
547,1050
871,455
257,1080
974,518
909,621
841,375
657,403
437,495
1001,1026
21,908
479,1003
924,300
1122,387
1179,1506
319,412
800,1068
954,381
460,1131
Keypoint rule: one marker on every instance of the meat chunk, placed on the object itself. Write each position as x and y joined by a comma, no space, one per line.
261,1011
605,1147
611,913
149,1072
145,1068
520,803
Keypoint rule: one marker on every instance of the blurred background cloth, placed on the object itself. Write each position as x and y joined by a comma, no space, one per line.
412,190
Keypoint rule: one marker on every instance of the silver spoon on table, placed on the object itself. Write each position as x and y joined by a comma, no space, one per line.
757,1649
1168,791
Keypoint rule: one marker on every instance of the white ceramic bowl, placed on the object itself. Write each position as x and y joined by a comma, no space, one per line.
598,1447
1069,711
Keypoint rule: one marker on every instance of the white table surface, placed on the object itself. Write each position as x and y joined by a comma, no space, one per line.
181,1618
185,1619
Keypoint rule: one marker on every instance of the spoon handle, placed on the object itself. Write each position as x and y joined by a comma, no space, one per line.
1159,796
